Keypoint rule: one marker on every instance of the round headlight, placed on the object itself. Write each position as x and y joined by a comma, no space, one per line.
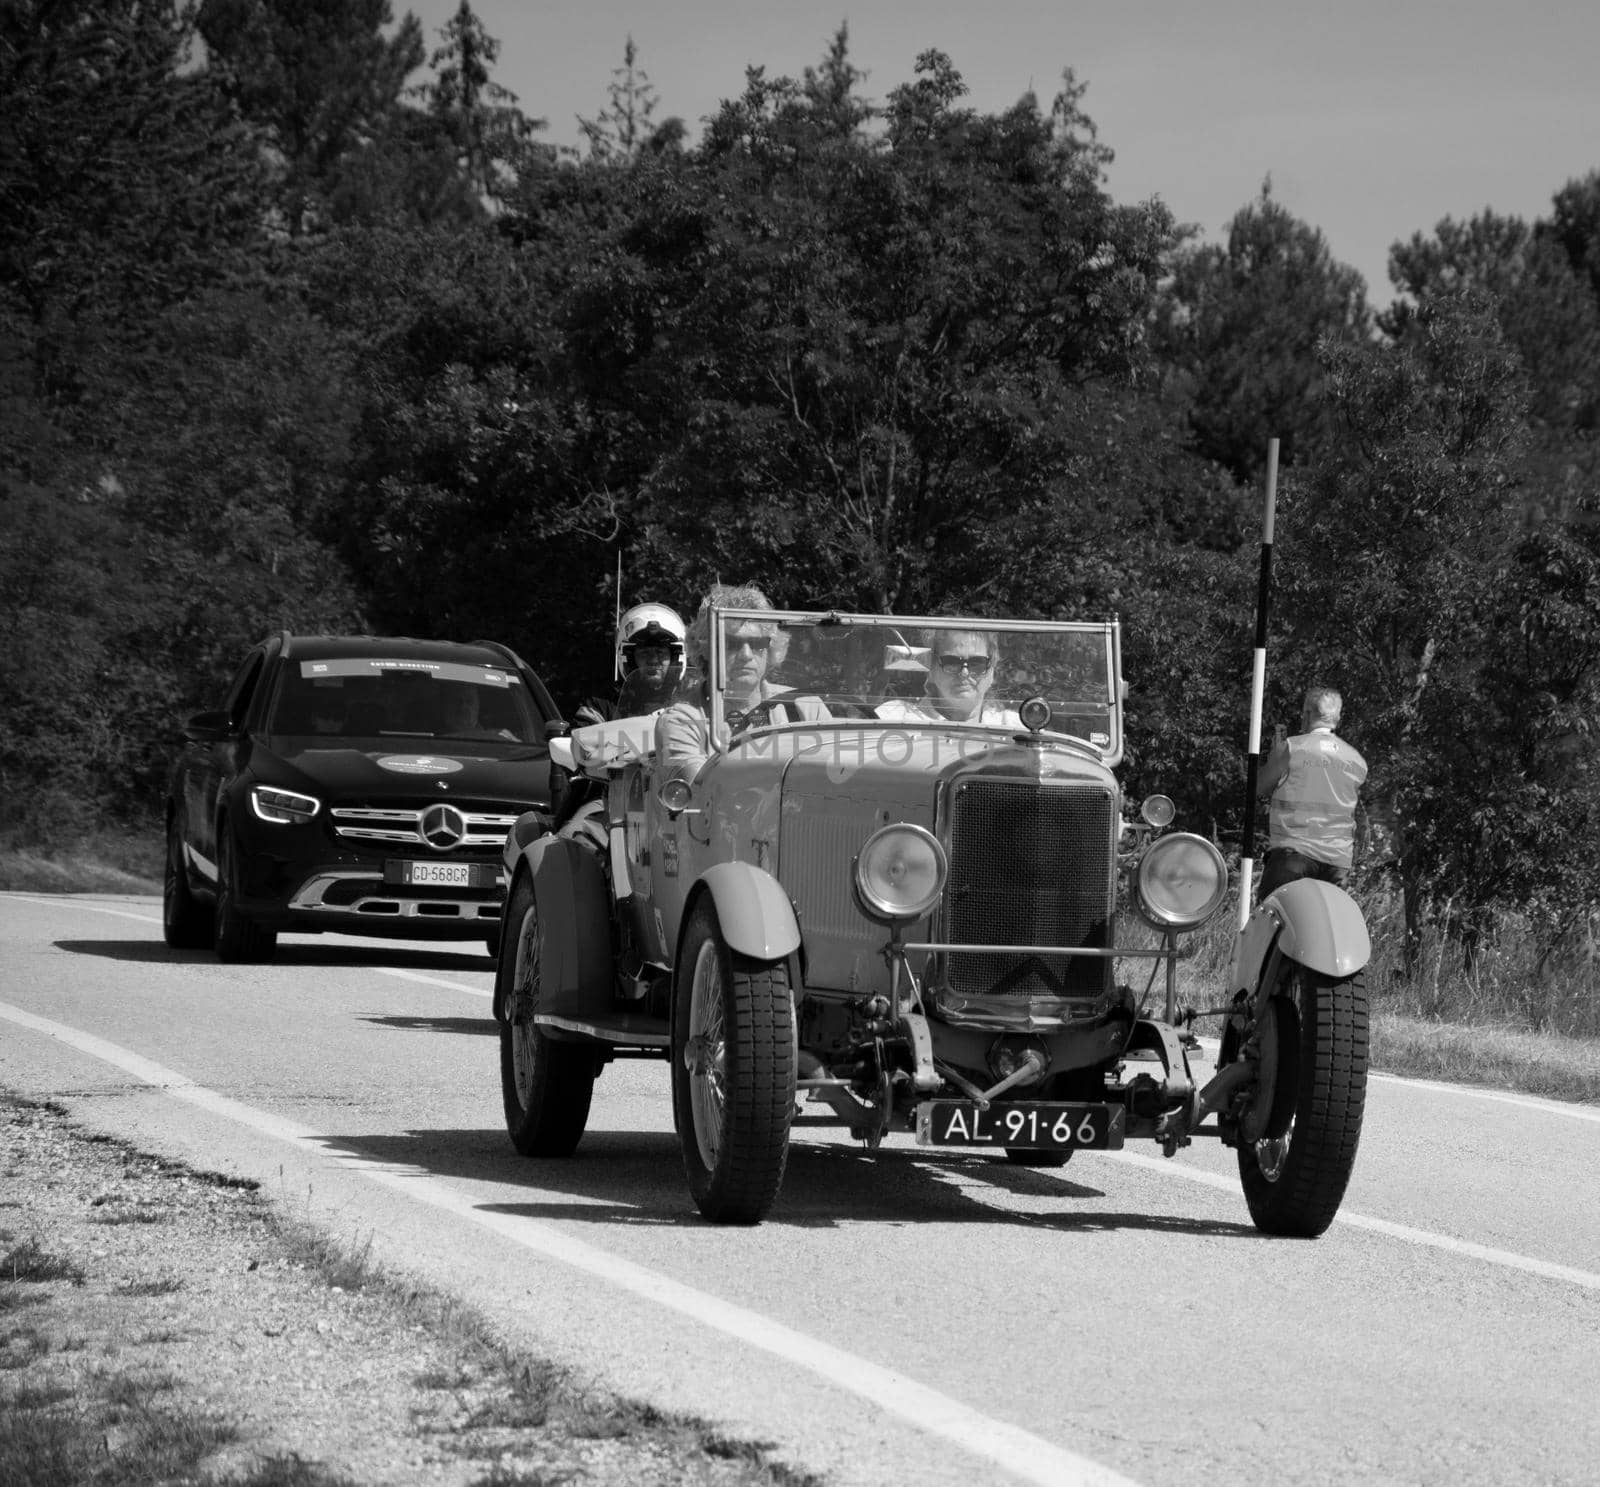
1158,810
1035,714
1182,881
900,872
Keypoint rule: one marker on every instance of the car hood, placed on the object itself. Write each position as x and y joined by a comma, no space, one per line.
517,778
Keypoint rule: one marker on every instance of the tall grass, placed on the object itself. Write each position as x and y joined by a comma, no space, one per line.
1516,980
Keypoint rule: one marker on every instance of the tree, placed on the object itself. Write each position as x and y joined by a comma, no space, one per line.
1241,324
122,177
1542,301
490,134
623,129
1574,224
1406,582
847,348
323,82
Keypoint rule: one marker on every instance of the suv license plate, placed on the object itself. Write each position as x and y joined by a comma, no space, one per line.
436,874
1028,1124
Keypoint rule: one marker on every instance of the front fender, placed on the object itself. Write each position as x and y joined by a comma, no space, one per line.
526,829
1313,923
754,912
574,904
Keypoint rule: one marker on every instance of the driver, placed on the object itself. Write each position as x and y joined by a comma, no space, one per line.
956,689
683,731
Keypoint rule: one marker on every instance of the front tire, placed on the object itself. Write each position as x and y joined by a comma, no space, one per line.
545,1085
236,939
733,1073
186,923
1294,1182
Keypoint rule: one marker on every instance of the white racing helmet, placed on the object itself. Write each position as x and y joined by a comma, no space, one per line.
648,624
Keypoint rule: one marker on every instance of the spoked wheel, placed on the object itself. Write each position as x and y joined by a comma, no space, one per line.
733,1073
236,939
186,923
546,1085
1296,1158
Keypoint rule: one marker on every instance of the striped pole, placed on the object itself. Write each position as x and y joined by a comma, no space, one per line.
1258,681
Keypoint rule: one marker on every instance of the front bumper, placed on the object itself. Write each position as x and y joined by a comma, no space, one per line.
294,879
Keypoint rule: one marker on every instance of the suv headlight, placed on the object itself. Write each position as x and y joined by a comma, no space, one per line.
283,807
900,872
1182,881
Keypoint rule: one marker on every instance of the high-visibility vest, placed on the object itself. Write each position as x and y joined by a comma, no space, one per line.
1314,806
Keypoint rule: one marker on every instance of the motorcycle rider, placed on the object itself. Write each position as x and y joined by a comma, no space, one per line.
649,659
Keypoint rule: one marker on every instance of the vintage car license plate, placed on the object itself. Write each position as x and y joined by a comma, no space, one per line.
438,874
1036,1124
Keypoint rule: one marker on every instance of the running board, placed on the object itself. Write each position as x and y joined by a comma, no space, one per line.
630,1028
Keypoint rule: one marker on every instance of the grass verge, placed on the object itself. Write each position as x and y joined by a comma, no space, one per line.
104,862
234,1346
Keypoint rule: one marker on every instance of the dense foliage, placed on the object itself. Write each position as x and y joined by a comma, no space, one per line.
302,325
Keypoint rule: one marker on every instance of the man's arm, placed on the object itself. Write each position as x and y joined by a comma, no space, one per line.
683,742
1273,771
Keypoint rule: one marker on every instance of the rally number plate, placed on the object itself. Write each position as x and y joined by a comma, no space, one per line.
439,874
1028,1124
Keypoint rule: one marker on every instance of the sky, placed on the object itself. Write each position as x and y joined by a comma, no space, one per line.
1374,119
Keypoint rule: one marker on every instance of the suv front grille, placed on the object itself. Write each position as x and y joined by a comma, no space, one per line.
403,827
1031,863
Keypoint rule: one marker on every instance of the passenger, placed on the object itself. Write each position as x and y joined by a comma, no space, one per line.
960,673
683,731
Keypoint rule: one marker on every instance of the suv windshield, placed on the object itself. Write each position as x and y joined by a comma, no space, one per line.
777,668
386,697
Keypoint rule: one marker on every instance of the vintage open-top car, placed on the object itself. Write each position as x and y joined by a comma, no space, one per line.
896,889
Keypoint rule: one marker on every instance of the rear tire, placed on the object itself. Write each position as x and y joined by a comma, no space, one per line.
733,1073
545,1085
236,939
186,923
1295,1182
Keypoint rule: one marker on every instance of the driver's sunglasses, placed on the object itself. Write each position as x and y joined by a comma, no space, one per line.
757,643
977,665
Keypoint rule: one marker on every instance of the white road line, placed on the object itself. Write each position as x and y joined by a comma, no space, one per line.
1499,1097
1429,1240
1028,1457
56,903
431,980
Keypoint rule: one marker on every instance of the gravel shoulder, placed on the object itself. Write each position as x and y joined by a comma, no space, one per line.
163,1324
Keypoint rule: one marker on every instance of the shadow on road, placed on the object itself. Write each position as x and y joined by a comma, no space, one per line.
485,1024
636,1179
420,959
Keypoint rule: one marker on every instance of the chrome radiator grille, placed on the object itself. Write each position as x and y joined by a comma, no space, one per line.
1030,864
405,827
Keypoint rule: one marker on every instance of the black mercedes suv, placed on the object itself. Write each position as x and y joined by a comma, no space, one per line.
354,783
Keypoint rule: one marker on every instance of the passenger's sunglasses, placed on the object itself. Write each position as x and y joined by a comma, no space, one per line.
757,643
977,665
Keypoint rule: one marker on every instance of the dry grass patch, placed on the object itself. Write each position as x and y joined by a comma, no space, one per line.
234,1347
1501,1057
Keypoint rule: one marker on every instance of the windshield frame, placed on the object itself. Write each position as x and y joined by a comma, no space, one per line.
1109,632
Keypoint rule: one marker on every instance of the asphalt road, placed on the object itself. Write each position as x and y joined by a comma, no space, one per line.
902,1316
